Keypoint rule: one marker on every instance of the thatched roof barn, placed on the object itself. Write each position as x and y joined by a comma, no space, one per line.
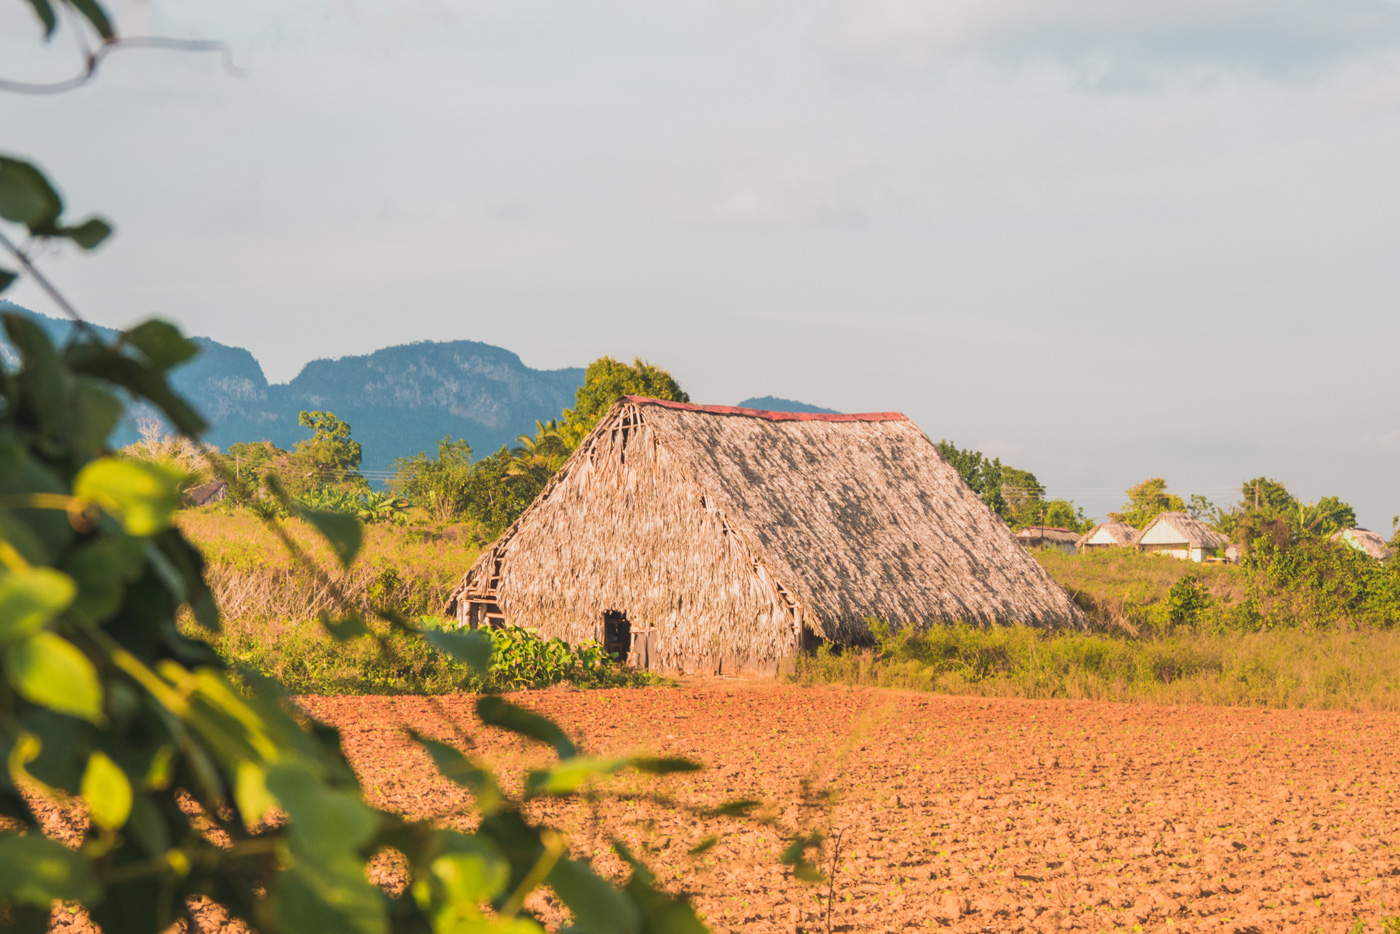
724,540
1107,535
1366,541
1045,536
1180,535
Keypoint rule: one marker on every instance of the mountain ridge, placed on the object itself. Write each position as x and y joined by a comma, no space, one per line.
779,404
398,400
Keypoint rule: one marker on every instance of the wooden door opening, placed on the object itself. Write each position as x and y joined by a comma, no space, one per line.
617,635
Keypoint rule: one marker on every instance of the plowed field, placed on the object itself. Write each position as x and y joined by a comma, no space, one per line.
957,813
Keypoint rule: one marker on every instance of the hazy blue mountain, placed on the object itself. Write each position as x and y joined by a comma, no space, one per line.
775,404
398,401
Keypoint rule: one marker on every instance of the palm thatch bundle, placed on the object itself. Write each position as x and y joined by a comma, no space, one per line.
1107,535
1366,541
730,539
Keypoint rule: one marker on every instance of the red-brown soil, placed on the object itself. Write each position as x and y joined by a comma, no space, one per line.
958,813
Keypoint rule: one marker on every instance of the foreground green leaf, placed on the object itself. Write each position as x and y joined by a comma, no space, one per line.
45,11
26,197
316,899
93,12
323,822
458,768
142,494
597,906
499,712
89,234
569,775
29,598
471,872
662,913
35,870
470,647
161,342
665,765
342,532
50,671
107,791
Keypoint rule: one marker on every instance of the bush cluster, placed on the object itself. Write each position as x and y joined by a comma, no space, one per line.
1313,583
306,660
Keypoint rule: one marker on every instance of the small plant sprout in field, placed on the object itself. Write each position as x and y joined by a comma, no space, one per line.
835,864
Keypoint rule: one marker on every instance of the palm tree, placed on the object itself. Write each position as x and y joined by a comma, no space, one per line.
537,458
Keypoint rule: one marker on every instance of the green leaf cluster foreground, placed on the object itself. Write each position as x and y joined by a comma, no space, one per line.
103,697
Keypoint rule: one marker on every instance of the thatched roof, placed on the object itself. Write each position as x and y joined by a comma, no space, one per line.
1043,534
1190,530
730,531
1366,541
206,493
1109,533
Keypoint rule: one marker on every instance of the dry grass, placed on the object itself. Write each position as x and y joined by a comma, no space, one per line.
255,578
1116,585
1295,668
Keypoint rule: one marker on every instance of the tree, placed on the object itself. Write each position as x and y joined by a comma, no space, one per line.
179,454
249,462
1023,495
1200,507
196,784
983,475
439,485
1146,501
494,497
535,459
1063,514
1267,504
1267,496
330,458
1014,495
604,382
1322,518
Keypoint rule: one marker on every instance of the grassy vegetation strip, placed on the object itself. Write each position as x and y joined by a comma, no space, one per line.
307,660
1324,670
255,579
1309,584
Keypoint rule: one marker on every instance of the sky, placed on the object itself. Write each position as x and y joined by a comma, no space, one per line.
1101,241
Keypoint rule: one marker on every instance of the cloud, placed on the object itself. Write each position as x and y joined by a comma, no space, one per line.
1104,40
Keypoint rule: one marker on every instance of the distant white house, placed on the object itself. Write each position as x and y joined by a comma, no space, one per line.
1107,535
1045,536
1365,541
1181,536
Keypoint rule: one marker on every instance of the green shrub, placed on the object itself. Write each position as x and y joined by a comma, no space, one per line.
1313,583
305,659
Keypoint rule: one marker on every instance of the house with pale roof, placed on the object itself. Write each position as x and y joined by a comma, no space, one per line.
1045,536
1182,536
1366,542
1107,535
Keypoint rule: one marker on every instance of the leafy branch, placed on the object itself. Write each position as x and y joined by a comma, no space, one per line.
90,15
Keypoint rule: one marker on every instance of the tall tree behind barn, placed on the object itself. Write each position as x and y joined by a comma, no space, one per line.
723,540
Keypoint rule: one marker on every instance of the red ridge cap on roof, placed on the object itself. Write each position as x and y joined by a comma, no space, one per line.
771,416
